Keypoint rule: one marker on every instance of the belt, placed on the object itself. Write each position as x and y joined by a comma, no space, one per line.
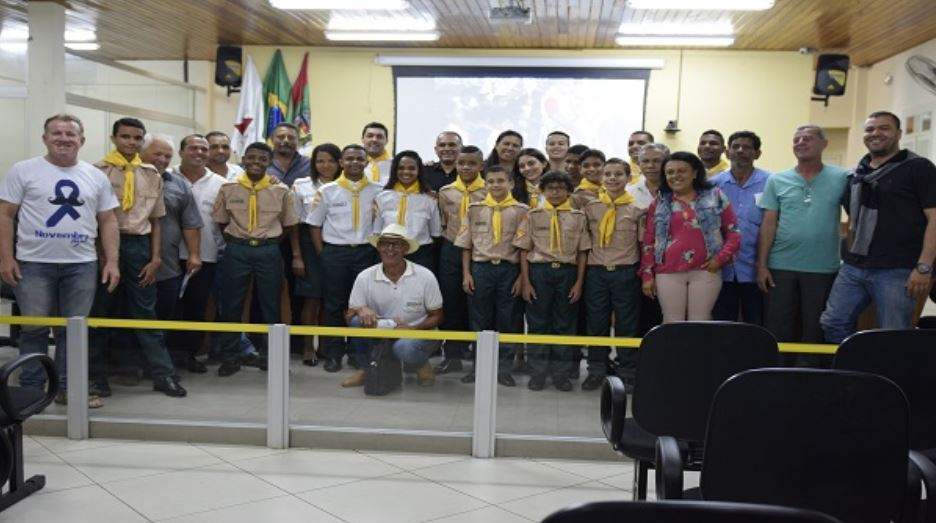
555,265
495,262
252,242
347,246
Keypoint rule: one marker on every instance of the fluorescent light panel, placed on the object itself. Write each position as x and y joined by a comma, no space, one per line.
723,28
382,36
337,5
83,46
702,5
674,41
381,23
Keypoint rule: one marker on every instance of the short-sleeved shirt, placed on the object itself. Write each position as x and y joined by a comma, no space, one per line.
383,170
58,208
332,210
534,233
450,200
205,191
407,300
900,198
434,176
581,197
275,210
147,197
718,168
642,195
304,190
233,171
744,200
181,213
300,166
623,248
422,214
808,227
478,234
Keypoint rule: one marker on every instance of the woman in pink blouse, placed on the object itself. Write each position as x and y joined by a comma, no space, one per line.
691,232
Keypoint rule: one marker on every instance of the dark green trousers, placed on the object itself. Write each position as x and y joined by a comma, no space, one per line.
241,261
608,291
551,313
453,296
492,307
341,265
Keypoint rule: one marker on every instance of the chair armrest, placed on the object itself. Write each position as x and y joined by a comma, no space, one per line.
926,471
669,469
7,370
613,410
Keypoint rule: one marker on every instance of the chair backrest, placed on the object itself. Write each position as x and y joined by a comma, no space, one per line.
681,365
927,322
906,357
827,440
684,512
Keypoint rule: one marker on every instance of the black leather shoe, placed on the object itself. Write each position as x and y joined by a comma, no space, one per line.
506,380
169,386
100,389
195,367
468,378
536,383
228,368
332,365
255,360
562,383
449,365
592,382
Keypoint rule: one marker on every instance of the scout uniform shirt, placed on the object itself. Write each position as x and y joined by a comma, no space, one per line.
477,233
275,210
147,200
450,200
539,239
421,217
333,211
584,193
622,249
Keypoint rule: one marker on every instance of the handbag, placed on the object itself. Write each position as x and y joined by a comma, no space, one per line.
384,372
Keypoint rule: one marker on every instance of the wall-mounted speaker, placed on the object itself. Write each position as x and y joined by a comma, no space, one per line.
831,74
228,66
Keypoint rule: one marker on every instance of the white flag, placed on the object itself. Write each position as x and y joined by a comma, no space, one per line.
248,125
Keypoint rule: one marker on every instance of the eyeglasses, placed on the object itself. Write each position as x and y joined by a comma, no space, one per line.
392,246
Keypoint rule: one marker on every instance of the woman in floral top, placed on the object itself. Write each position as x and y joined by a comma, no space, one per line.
692,231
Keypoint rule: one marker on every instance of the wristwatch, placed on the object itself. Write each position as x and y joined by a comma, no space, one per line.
924,268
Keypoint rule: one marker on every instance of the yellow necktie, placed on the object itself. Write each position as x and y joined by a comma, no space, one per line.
586,185
535,195
404,194
254,188
555,230
459,185
606,227
355,197
374,168
129,189
489,201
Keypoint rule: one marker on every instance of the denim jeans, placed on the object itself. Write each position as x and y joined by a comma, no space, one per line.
51,289
411,352
855,288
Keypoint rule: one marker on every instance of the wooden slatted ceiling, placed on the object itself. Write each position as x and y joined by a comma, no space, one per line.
868,30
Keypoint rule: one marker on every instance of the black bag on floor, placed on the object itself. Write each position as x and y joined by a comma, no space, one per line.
384,372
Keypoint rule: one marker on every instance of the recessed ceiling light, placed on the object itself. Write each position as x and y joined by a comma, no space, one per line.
722,28
336,5
702,5
382,36
674,41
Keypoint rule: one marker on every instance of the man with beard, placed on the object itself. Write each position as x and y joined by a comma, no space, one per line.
374,138
288,164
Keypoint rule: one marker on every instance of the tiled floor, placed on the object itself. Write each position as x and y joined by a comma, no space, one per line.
114,481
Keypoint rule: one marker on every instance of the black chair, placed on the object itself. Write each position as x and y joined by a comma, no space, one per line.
16,405
684,512
927,322
679,368
826,440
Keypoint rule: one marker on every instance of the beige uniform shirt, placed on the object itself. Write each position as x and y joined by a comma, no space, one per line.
276,209
478,235
581,197
533,236
628,229
449,203
147,197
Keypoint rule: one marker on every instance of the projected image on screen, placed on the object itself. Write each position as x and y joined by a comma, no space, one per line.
599,112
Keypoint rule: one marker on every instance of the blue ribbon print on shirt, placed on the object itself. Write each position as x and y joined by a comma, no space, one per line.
66,204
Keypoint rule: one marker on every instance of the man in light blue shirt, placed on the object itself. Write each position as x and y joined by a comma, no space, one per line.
743,184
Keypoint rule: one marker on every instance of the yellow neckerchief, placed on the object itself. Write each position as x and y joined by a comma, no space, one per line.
355,197
635,171
374,169
459,185
489,201
117,160
404,194
606,227
587,185
535,195
254,188
555,231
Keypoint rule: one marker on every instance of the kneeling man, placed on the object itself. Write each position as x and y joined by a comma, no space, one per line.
400,294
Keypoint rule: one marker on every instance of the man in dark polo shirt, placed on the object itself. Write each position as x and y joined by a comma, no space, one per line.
441,173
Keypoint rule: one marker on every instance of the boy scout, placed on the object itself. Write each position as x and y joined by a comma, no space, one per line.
454,200
612,283
253,210
592,161
342,220
138,187
490,271
554,240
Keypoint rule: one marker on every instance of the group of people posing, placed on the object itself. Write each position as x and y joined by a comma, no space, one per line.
567,241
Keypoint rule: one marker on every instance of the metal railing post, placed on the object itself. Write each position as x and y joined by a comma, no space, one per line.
485,400
278,387
76,339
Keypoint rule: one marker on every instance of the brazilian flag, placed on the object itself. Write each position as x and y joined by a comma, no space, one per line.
275,94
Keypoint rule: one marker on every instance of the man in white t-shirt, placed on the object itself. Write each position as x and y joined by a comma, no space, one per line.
60,203
400,294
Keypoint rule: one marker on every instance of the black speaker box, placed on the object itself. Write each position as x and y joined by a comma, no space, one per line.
831,74
228,66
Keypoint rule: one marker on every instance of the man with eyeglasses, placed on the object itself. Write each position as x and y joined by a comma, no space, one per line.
798,251
743,184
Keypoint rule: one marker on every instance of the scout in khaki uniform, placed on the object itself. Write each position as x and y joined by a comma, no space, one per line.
554,242
611,281
490,264
254,210
138,187
454,200
592,162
